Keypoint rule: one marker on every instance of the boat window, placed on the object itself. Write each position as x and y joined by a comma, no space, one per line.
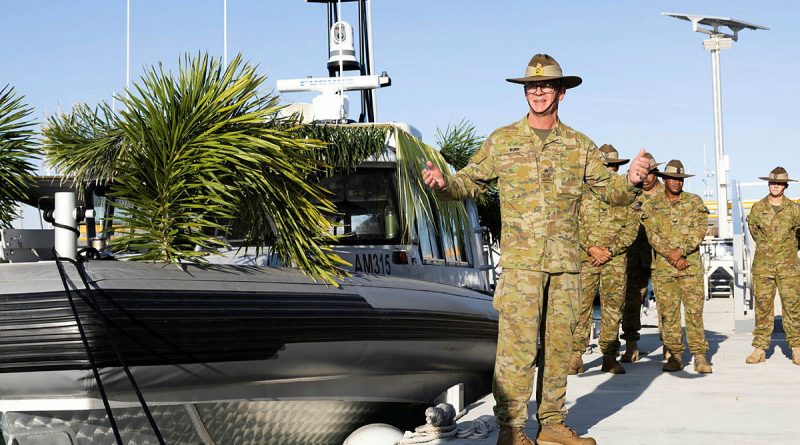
440,243
366,205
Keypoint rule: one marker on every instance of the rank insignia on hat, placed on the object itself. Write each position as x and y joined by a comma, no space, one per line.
538,70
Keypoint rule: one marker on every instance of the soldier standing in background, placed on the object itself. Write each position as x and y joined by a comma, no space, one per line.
606,232
640,256
675,228
773,223
541,166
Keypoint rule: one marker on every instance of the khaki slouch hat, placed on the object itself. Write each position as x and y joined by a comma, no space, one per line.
653,164
611,155
543,67
674,169
778,174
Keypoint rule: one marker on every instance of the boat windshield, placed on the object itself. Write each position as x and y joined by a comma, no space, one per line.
366,205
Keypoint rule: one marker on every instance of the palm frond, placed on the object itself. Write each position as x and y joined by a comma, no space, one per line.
192,151
17,149
346,147
458,142
415,197
85,144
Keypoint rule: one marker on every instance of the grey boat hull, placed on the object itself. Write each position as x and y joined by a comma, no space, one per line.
249,344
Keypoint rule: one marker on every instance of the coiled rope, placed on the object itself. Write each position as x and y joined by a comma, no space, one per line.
440,424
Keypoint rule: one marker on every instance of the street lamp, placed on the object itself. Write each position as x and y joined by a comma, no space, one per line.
718,40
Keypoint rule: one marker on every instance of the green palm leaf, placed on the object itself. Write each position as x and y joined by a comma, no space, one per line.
189,153
17,151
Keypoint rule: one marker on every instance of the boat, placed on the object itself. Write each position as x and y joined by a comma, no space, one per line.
98,350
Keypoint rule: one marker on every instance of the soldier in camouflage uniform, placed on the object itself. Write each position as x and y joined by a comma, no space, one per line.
640,256
606,232
773,223
540,165
676,225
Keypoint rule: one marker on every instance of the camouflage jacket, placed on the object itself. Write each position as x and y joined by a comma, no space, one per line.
775,237
640,254
682,224
609,226
540,185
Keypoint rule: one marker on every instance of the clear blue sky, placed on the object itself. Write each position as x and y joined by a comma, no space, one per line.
647,80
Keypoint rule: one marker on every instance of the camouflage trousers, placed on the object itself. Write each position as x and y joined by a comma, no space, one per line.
520,298
610,282
764,288
670,292
635,290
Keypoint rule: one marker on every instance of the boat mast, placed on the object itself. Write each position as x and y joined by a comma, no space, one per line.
342,58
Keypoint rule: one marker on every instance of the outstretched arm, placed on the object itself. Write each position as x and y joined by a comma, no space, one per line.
469,182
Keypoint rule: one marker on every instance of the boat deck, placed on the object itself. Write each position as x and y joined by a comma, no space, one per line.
737,404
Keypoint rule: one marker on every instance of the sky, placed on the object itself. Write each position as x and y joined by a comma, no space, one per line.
647,79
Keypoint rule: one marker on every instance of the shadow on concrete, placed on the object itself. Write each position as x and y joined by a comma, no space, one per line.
614,394
779,339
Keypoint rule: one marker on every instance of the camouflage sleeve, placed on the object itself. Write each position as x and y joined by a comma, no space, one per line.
796,216
583,237
697,227
627,234
659,244
584,229
610,187
471,181
753,226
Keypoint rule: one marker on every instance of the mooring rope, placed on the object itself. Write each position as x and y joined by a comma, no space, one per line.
478,428
440,423
94,305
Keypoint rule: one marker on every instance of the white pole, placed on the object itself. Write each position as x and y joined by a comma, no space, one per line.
722,195
128,47
66,242
371,59
225,34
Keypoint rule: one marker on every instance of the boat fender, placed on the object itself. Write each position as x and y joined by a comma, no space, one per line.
374,434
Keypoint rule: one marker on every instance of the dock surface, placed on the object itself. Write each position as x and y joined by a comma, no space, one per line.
737,404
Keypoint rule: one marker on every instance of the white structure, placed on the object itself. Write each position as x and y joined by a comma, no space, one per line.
718,40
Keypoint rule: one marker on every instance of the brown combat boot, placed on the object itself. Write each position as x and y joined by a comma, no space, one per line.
575,364
701,365
510,435
610,365
674,363
796,356
631,352
757,356
561,434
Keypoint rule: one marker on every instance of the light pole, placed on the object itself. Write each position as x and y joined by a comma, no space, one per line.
718,40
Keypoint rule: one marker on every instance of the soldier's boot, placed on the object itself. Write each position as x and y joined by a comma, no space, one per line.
701,365
757,356
513,436
674,363
631,352
561,434
610,365
575,364
796,356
